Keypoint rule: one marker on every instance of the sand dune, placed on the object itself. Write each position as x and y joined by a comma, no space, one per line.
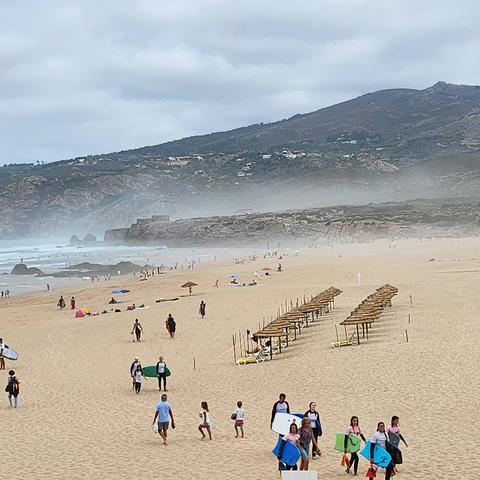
79,417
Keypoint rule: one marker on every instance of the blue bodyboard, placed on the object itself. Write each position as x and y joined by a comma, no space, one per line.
380,456
290,454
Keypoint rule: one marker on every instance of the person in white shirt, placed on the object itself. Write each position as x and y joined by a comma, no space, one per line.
380,438
2,359
239,417
206,422
161,374
137,377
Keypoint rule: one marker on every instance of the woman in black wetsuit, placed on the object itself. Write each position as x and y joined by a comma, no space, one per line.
137,329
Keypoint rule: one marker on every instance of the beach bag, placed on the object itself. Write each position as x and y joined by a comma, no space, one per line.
233,416
371,473
155,427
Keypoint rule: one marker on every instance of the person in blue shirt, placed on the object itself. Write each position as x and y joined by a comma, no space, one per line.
163,415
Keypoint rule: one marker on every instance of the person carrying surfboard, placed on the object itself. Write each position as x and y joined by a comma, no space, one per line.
353,429
2,358
137,378
13,389
133,369
280,406
292,437
394,437
380,438
306,437
162,374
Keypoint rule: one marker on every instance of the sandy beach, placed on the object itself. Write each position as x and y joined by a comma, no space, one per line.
79,417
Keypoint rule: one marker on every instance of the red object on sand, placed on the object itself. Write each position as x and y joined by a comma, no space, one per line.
371,473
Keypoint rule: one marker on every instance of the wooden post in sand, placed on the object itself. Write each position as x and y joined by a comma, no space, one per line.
336,331
406,335
409,318
234,349
194,365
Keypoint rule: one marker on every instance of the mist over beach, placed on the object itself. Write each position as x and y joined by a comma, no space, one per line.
239,240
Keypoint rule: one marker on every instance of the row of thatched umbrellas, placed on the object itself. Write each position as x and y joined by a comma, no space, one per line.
292,321
370,309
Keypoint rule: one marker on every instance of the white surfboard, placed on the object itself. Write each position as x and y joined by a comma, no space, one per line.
10,354
282,421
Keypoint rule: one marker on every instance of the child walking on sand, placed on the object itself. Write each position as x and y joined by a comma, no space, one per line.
239,417
206,422
138,379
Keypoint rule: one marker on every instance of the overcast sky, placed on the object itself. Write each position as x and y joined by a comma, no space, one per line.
98,76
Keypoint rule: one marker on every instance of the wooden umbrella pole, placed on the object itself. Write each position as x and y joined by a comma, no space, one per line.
234,349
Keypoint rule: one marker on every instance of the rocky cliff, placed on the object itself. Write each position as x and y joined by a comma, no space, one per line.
321,226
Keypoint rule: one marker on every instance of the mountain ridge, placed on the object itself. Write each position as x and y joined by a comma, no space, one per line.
391,144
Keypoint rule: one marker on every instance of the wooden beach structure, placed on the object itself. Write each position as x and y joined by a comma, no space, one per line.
277,334
367,312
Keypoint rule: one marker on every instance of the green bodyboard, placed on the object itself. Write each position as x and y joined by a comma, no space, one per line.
353,443
151,371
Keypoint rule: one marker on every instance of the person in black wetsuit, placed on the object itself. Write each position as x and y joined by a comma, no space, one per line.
353,429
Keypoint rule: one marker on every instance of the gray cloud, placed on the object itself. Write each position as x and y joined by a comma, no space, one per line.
92,77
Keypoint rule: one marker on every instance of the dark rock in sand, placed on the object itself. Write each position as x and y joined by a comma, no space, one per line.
22,269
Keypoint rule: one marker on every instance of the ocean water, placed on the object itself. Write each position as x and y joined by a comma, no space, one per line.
50,258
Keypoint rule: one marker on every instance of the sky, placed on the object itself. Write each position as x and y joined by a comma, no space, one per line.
79,78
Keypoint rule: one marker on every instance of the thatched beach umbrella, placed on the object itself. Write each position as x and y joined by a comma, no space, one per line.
189,285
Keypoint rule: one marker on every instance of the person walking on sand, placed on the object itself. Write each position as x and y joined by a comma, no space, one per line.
72,303
306,437
163,414
171,326
239,417
206,422
137,330
394,435
292,437
13,389
216,283
137,377
202,308
316,426
2,358
61,303
353,429
280,406
133,369
161,374
380,439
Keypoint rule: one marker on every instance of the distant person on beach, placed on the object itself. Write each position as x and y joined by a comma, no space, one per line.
163,413
133,369
216,283
61,302
316,426
72,303
203,306
161,374
137,330
48,287
171,325
239,417
2,358
206,422
279,269
380,439
13,389
280,406
112,301
353,429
